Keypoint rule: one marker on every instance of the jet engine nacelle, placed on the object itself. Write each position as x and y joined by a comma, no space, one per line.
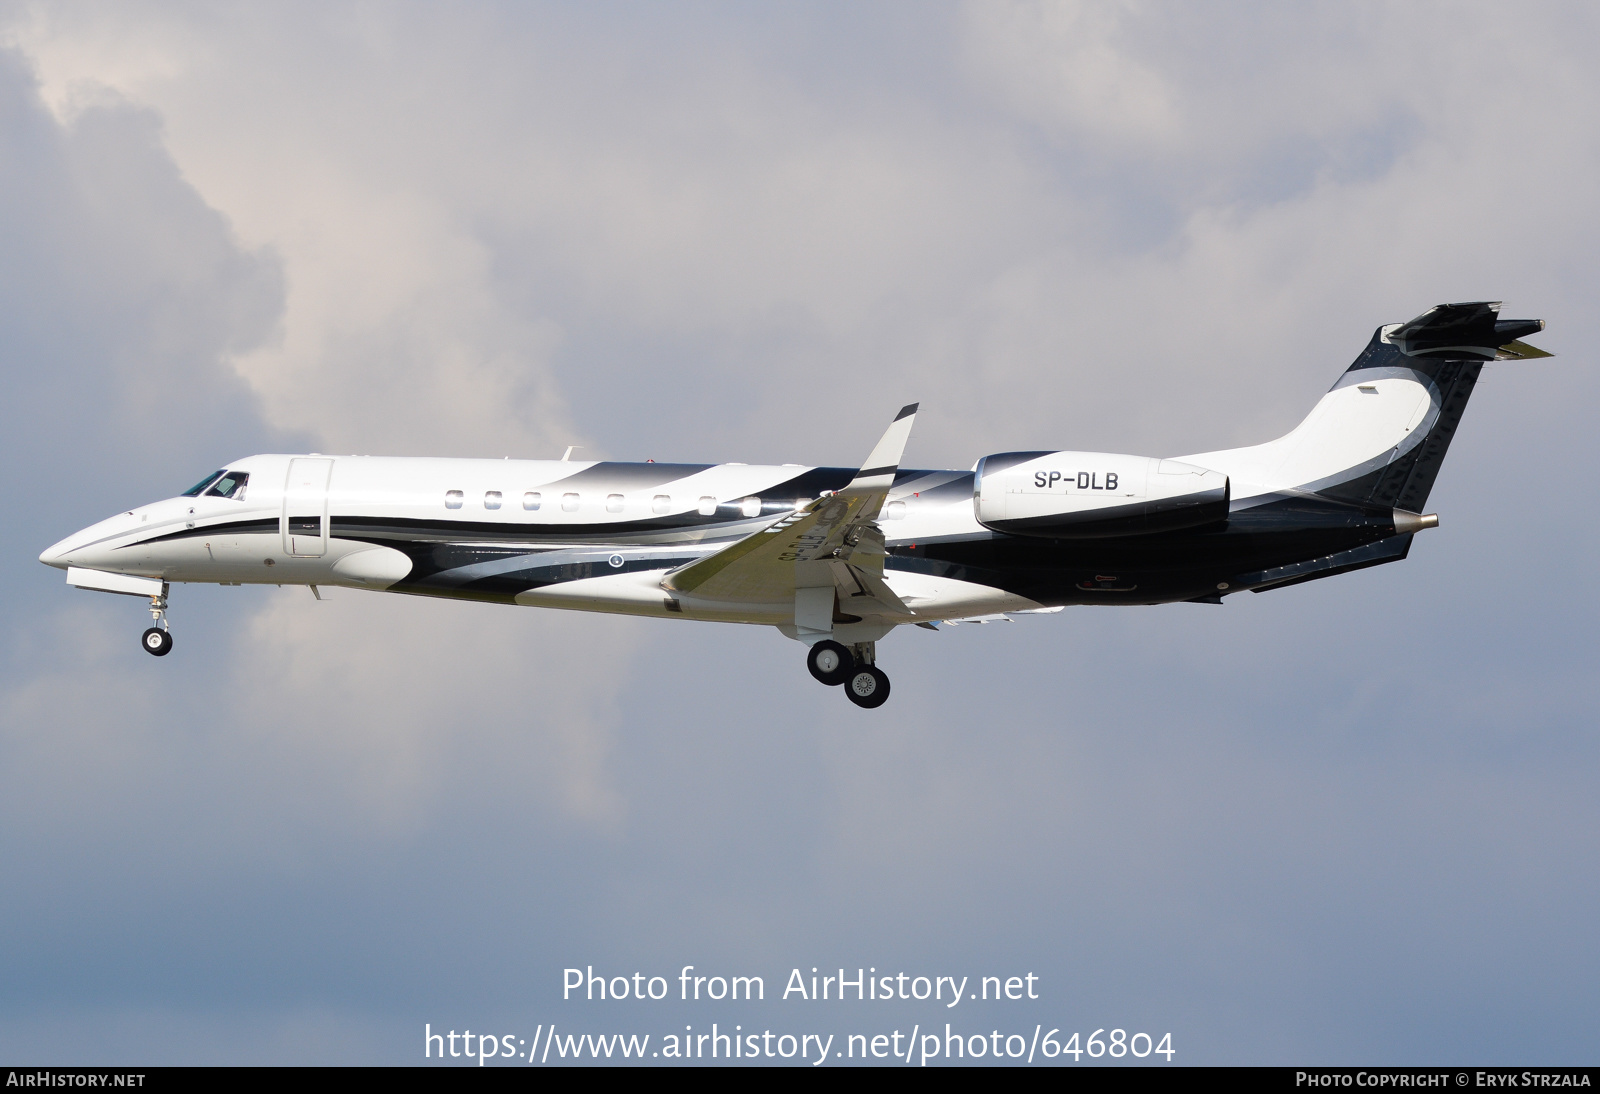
1093,495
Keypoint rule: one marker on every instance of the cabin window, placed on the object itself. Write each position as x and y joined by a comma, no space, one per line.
231,485
613,503
569,503
452,499
661,503
894,510
531,500
750,507
708,507
491,499
194,491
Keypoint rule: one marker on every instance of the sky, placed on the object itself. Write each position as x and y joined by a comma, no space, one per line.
1352,821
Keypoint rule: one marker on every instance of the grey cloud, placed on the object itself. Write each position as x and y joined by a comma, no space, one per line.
123,299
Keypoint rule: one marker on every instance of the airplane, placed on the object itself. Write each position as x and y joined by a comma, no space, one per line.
836,557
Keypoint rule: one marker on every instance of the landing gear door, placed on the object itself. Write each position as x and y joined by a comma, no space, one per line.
305,508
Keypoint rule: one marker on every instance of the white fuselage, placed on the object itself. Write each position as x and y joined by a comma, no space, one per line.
609,531
602,536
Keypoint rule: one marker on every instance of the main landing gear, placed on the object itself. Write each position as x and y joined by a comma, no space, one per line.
864,682
158,639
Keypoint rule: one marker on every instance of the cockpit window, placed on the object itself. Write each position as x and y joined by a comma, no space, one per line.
231,485
194,491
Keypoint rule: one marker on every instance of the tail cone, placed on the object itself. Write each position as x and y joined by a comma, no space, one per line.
1414,522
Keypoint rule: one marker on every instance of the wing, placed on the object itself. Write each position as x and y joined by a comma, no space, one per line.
833,543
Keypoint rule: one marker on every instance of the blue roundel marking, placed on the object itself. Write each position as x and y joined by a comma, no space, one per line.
616,560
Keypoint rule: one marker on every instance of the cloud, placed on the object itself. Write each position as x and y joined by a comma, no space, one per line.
1063,64
124,299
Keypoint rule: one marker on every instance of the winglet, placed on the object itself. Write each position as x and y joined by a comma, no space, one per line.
879,470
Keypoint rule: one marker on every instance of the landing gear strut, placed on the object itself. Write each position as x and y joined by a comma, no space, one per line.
158,639
864,682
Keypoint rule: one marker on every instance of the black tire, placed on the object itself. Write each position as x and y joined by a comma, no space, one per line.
843,662
868,687
157,641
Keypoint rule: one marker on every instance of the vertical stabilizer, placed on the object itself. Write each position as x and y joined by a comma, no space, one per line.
1379,435
1443,350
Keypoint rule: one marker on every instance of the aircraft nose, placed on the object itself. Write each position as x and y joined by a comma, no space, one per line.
56,554
78,548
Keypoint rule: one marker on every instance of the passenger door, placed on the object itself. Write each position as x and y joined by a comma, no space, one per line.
305,508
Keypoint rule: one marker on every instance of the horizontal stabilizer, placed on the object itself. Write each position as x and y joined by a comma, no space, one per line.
1465,330
1520,351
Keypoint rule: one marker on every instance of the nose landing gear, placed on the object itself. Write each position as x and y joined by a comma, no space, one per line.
865,684
157,640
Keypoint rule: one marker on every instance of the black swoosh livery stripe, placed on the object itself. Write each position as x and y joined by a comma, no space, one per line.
869,472
261,526
503,585
956,488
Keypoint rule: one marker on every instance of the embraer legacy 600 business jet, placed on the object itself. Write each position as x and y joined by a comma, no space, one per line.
838,557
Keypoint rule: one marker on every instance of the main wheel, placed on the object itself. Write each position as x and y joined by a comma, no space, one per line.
868,687
157,641
830,663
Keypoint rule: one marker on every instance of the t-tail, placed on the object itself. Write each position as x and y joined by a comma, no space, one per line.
1442,351
1378,437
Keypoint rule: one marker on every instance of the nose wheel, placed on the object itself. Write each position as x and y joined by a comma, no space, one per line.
157,640
865,684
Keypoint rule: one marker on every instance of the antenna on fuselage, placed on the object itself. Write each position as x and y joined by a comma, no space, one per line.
567,455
